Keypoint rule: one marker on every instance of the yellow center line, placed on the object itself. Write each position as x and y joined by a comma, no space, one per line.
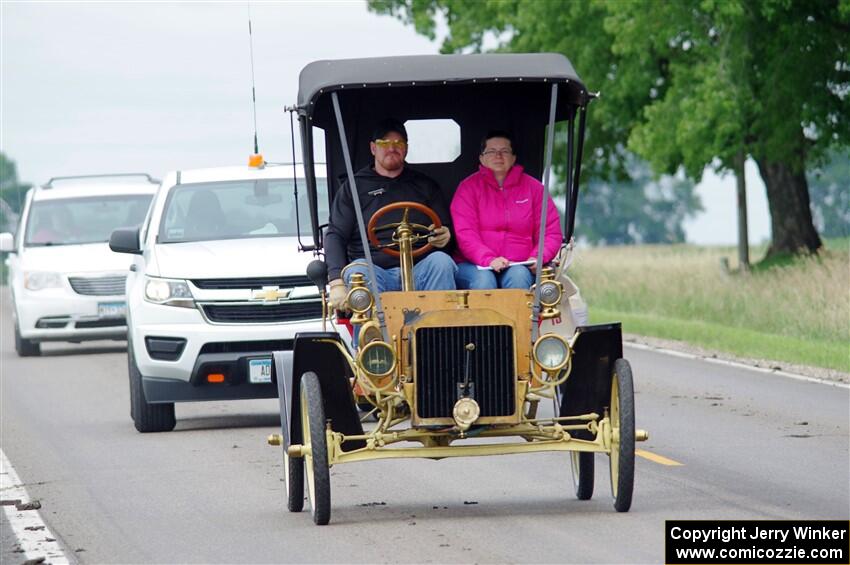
655,458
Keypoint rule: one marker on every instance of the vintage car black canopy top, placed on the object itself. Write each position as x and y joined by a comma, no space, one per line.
503,91
321,77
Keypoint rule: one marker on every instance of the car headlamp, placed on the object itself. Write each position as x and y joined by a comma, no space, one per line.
169,292
37,280
377,359
550,293
359,299
551,352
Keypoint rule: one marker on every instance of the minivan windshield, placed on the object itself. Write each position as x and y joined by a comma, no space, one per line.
90,219
237,209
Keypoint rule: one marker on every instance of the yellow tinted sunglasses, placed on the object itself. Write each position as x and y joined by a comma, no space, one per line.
384,143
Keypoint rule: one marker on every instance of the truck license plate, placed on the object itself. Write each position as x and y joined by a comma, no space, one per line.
111,309
260,371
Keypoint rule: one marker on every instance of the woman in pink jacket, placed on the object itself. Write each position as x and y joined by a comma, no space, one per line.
496,215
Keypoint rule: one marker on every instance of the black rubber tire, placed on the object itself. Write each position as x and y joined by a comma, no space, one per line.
26,347
313,420
583,468
146,417
293,472
626,475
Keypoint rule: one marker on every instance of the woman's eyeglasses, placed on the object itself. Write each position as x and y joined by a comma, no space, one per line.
397,143
494,152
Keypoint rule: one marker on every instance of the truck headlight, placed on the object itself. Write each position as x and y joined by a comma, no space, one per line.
169,292
377,359
37,280
551,352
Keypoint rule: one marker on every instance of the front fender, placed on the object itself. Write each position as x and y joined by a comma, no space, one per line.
318,352
588,388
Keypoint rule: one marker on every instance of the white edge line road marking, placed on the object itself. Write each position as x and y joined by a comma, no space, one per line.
29,529
736,364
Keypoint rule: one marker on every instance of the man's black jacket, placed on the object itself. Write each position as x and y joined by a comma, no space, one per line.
342,241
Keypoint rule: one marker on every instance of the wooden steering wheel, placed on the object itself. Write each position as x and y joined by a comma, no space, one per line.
420,232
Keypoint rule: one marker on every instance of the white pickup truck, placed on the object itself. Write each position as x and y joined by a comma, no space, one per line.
217,284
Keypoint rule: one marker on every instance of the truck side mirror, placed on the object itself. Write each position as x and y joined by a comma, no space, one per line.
125,240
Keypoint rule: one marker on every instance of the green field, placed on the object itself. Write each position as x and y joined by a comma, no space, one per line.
793,310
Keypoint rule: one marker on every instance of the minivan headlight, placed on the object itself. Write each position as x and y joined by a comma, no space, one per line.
168,291
37,280
551,352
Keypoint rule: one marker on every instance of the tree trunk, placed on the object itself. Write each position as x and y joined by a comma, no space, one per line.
743,233
790,215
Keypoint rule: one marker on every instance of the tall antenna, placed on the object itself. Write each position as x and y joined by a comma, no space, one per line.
253,88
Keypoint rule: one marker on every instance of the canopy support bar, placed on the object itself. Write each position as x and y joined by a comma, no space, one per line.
541,243
310,181
577,173
571,126
367,251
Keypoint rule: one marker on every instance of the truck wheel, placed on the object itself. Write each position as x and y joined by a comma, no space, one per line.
582,464
25,347
316,456
146,417
622,413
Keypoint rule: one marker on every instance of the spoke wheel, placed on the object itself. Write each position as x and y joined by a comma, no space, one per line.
582,466
316,452
293,473
622,416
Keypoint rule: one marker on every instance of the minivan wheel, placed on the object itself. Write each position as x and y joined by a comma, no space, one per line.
25,347
147,417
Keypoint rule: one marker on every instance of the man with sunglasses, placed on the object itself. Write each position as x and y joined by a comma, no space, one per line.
386,181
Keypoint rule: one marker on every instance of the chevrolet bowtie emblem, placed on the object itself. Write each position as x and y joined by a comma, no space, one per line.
271,294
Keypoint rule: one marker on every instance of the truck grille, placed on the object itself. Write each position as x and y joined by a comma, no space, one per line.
440,359
256,282
261,313
98,286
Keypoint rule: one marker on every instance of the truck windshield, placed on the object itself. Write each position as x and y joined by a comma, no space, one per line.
237,209
73,221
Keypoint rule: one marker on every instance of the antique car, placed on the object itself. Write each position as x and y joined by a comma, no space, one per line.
443,369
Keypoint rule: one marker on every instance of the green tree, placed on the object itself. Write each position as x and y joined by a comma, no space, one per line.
830,191
690,83
11,190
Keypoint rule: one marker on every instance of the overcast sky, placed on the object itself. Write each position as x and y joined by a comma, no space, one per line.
151,87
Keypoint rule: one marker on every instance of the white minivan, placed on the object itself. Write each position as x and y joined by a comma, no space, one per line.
218,283
66,283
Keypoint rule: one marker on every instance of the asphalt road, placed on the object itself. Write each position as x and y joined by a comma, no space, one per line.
751,445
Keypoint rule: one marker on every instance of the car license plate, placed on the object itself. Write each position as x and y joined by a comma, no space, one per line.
111,309
260,371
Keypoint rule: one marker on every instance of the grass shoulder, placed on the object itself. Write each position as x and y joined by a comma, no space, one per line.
796,310
740,342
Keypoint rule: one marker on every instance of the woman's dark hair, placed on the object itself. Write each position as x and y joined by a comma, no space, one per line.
496,133
387,125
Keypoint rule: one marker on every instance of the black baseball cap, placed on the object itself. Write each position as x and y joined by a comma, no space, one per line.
387,125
